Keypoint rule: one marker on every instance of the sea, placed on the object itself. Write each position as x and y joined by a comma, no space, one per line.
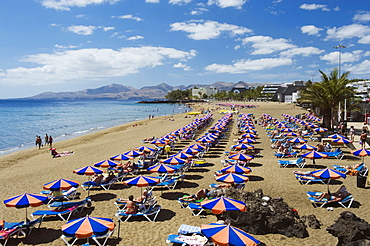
22,120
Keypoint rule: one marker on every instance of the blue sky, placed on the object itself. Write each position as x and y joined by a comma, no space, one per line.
70,45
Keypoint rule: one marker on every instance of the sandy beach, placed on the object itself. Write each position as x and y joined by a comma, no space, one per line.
28,170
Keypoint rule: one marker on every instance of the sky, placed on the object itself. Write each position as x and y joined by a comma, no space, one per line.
71,45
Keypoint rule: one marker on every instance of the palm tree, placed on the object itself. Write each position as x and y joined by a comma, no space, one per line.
327,94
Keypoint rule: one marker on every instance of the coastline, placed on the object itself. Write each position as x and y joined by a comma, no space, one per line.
27,170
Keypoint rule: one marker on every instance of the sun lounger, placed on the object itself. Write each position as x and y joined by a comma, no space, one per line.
6,233
105,185
68,194
345,202
64,205
337,154
154,209
169,183
60,212
195,208
300,162
360,170
309,179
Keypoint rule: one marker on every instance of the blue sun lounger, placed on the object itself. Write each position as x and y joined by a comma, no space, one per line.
347,198
154,209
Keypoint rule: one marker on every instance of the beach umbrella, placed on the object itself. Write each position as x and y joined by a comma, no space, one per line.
287,130
159,142
162,168
197,146
173,161
205,140
241,157
133,153
247,140
227,235
291,134
314,155
189,150
305,146
361,152
106,164
61,184
236,169
297,140
249,131
232,178
88,227
249,135
26,200
142,181
328,173
144,149
336,136
182,155
122,157
320,129
341,140
88,170
222,204
243,146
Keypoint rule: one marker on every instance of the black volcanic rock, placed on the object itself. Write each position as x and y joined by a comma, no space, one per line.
350,230
264,214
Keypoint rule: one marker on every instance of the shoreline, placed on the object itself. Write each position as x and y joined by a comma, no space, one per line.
27,171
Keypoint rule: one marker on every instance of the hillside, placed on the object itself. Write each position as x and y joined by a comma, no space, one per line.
122,92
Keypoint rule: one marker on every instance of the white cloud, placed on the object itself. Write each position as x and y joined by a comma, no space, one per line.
66,4
362,16
266,45
243,66
65,46
314,6
336,8
198,11
135,38
350,31
77,65
152,1
130,17
238,4
364,40
179,2
108,28
303,51
367,53
311,30
362,68
333,57
183,66
82,30
205,30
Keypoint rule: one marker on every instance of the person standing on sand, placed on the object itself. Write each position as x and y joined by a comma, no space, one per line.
352,133
38,141
363,138
51,141
46,139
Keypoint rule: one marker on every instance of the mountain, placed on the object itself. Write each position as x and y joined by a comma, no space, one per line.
122,92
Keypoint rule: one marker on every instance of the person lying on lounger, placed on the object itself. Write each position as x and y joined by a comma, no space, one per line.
54,153
139,199
201,194
225,185
325,196
131,207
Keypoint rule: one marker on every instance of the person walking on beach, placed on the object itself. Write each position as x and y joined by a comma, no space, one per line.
46,139
51,141
363,138
352,133
38,141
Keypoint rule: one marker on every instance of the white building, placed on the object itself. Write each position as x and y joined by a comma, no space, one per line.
199,92
362,89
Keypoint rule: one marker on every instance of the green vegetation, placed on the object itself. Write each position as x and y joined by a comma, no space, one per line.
179,95
326,94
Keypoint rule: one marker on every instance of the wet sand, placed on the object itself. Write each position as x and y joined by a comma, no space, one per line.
28,170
